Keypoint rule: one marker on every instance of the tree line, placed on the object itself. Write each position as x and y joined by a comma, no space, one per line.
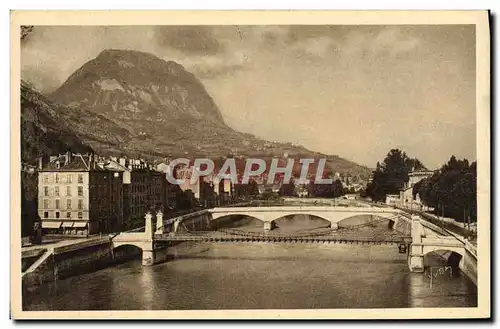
390,176
451,190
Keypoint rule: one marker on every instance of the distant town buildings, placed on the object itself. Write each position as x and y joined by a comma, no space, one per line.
85,194
405,196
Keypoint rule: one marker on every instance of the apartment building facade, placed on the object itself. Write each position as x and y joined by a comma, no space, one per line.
78,197
144,190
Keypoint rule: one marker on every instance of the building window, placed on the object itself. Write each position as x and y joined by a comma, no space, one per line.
57,214
80,178
46,204
57,178
46,178
80,190
68,190
56,191
68,214
58,165
45,214
80,204
68,204
69,178
58,204
80,215
46,191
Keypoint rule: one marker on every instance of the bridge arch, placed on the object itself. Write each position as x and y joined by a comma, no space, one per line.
128,244
365,219
332,214
126,251
456,257
320,216
216,216
235,220
311,218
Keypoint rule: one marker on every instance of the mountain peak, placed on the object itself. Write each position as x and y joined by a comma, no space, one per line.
137,57
134,85
162,109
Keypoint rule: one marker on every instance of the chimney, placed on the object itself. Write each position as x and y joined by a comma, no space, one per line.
122,162
40,163
90,161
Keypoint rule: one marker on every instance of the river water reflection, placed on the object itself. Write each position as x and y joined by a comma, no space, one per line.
258,276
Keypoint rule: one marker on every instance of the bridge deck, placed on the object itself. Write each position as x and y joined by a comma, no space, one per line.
275,238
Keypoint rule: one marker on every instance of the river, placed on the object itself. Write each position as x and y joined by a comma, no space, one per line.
208,276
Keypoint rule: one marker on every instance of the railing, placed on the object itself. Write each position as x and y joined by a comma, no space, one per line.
80,245
277,238
323,235
278,235
471,248
181,218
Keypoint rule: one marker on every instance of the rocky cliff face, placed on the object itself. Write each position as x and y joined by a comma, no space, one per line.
157,108
132,85
43,132
48,128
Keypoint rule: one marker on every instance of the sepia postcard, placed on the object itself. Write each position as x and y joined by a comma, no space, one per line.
250,165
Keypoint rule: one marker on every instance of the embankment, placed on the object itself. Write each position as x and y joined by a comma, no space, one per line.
46,265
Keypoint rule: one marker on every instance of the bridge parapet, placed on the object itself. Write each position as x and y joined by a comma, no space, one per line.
301,208
422,244
143,240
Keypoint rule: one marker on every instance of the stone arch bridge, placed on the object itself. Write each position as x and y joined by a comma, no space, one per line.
332,214
424,238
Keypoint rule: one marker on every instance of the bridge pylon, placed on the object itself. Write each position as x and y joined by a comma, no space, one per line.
159,223
268,226
148,225
416,254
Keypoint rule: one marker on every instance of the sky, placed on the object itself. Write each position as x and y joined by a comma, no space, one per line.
353,91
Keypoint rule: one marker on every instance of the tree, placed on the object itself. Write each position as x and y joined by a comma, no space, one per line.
452,190
253,188
415,165
337,189
334,190
268,194
288,189
390,176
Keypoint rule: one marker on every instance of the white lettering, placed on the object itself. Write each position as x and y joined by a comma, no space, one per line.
171,169
304,170
286,170
319,174
232,175
248,169
198,172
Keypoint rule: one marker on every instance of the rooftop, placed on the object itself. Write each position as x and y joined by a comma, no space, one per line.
72,162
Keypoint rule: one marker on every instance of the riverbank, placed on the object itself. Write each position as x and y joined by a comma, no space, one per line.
203,276
64,259
468,264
